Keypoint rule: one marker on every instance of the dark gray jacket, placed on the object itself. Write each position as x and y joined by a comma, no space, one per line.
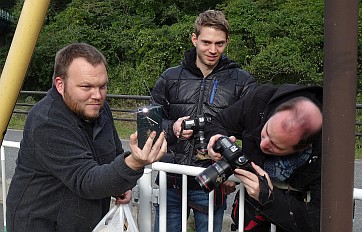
66,175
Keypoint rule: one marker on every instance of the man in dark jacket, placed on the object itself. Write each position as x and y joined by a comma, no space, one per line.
280,129
206,82
71,160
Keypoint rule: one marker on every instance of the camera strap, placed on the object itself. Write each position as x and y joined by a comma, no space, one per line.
264,196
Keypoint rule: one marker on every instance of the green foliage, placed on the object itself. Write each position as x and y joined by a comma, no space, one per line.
282,40
277,41
358,143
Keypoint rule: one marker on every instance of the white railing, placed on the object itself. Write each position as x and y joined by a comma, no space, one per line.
3,173
146,192
147,195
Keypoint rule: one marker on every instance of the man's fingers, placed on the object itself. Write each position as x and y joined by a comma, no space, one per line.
133,139
162,151
158,149
150,139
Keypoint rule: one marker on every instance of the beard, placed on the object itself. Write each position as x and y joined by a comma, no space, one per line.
79,109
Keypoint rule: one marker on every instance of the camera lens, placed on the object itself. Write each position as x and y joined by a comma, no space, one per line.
200,142
214,175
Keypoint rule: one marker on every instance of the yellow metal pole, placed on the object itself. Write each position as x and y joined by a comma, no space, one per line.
17,62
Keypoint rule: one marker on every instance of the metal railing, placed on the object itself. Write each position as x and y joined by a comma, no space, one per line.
128,114
3,173
147,195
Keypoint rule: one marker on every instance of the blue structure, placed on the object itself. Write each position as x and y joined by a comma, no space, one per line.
5,20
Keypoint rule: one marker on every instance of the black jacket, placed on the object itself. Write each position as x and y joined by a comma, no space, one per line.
245,120
65,175
183,91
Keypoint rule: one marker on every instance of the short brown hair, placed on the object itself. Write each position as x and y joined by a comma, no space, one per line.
212,18
66,55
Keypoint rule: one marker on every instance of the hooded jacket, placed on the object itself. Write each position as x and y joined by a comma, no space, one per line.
66,170
184,91
245,119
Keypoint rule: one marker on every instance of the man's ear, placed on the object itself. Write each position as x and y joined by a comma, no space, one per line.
59,84
194,39
227,40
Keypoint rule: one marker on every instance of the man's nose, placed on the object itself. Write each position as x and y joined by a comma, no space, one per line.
264,143
96,93
212,48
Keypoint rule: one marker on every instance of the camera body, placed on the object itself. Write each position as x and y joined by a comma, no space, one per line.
198,126
221,170
149,119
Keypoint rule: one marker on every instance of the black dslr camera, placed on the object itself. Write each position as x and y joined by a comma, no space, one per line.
198,126
220,171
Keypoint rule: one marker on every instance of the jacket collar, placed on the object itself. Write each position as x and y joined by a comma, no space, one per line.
189,62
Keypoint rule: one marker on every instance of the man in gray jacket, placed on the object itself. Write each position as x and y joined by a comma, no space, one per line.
71,160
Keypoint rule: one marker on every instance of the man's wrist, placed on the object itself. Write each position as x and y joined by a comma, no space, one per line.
131,162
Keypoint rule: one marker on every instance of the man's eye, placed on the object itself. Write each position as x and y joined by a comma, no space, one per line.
221,44
85,87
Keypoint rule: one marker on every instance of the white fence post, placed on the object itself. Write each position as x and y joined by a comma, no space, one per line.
211,211
184,202
145,201
3,179
3,174
163,201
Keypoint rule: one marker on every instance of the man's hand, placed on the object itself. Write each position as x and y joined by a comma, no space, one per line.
149,154
214,155
251,180
125,198
228,187
179,132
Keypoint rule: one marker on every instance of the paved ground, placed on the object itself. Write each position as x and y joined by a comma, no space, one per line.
13,135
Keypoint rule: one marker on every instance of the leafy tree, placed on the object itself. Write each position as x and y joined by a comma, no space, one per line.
277,41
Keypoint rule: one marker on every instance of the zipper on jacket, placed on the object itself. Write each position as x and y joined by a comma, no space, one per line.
199,105
213,91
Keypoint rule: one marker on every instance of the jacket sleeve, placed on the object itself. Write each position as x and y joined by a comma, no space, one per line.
249,83
159,97
293,214
66,156
228,121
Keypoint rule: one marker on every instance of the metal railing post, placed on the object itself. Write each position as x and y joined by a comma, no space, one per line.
3,179
184,202
3,174
211,211
145,201
163,202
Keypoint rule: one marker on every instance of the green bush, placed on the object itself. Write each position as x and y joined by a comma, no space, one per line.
277,41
